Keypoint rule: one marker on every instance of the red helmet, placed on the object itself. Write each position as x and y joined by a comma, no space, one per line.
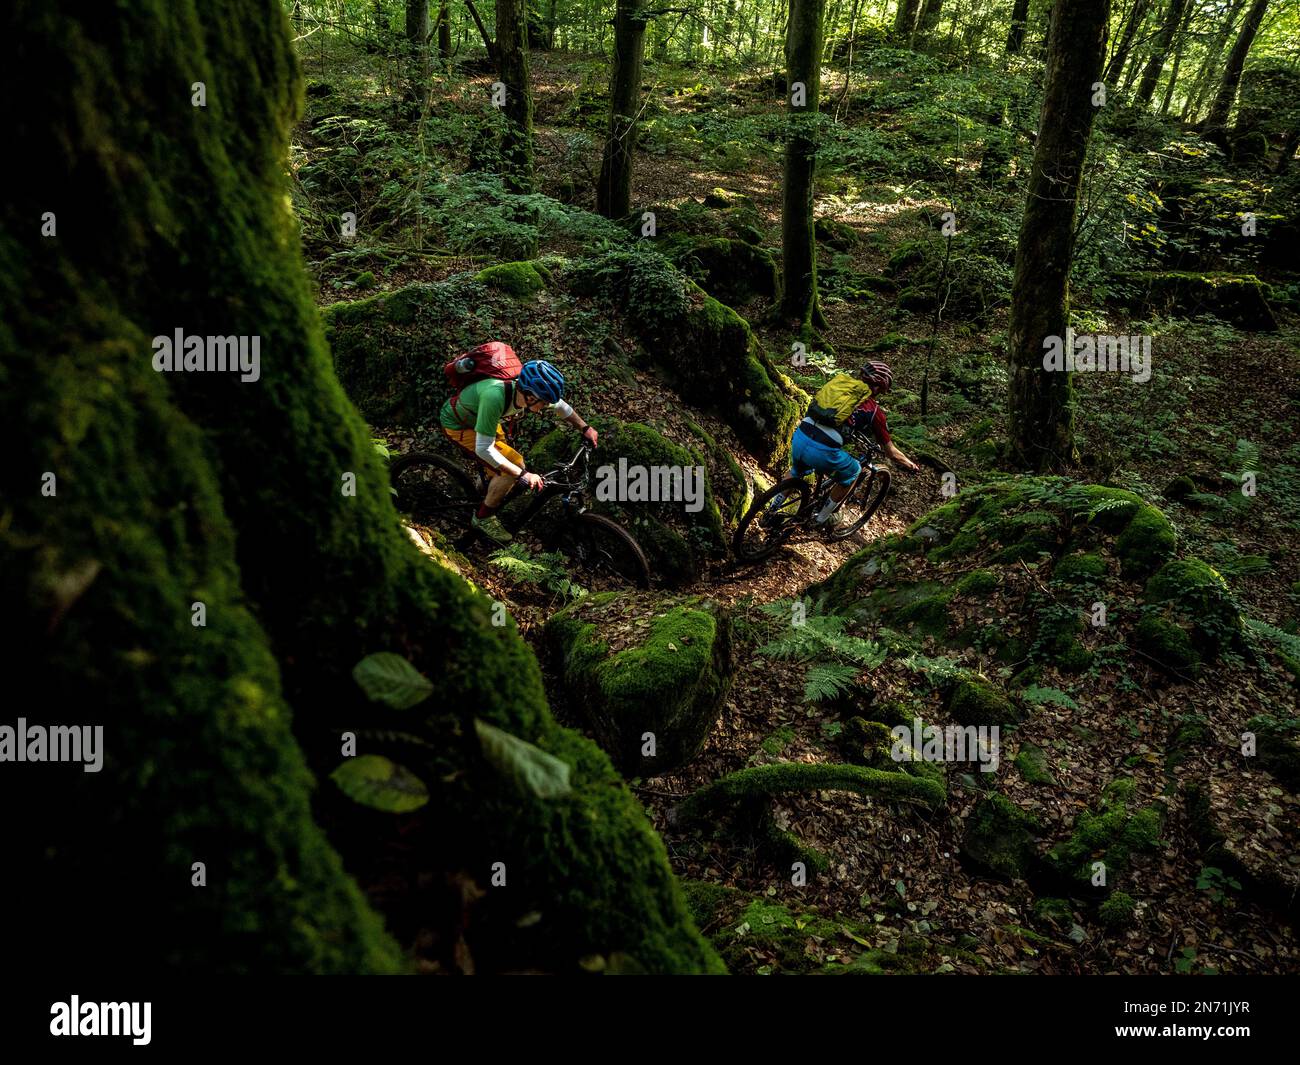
878,375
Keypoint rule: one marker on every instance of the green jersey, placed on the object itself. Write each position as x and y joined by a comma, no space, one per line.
479,406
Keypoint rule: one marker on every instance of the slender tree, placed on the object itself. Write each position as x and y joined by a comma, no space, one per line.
905,20
614,188
1216,123
1136,16
803,92
1160,51
512,63
444,33
417,26
1205,76
1041,418
1016,32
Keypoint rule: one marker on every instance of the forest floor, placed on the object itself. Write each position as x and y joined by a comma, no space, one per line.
902,870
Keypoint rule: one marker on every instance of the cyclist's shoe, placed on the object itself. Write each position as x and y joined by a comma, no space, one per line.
772,514
831,522
492,528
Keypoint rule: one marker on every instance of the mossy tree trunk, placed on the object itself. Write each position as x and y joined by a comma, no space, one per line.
1041,420
1016,32
265,502
803,92
928,20
512,62
614,189
1160,51
1216,123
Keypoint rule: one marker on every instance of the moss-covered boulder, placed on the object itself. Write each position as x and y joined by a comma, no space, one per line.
977,701
839,235
1195,595
1168,645
708,353
1105,841
673,515
520,280
731,270
648,673
174,488
1241,299
998,837
1277,746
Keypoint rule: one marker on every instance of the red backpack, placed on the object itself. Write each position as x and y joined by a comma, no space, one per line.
492,359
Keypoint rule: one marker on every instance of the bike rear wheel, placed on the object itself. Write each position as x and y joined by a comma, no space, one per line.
434,491
768,523
861,503
602,551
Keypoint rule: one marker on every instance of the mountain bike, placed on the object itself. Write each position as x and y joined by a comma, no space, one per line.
437,492
788,507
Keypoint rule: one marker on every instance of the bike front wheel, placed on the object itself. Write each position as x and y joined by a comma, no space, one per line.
861,503
603,551
771,519
434,491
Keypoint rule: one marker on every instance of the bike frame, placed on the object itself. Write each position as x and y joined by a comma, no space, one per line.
568,480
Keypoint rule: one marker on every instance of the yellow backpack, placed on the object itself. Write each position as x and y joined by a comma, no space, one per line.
837,399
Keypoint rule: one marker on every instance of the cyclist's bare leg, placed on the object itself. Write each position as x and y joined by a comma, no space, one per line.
498,488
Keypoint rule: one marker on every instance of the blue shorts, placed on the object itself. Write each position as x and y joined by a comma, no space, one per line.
807,454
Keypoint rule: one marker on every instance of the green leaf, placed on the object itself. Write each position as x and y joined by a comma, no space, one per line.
531,769
1035,694
390,679
374,781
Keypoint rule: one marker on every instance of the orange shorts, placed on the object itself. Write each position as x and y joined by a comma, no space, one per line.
466,438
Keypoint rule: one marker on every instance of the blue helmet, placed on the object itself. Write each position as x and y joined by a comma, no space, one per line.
543,380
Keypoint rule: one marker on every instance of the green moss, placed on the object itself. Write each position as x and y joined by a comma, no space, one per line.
1112,834
1241,299
1146,542
1197,595
1032,763
1277,746
669,681
216,733
1117,910
1080,569
999,837
520,280
1168,644
922,606
1054,911
976,701
977,584
733,271
1180,488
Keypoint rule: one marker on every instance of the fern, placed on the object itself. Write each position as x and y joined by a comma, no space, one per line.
546,570
936,669
826,680
1288,642
822,636
1035,694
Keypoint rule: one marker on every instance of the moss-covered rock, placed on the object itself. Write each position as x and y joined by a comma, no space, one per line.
977,701
1180,488
839,235
676,533
520,280
1241,299
731,270
999,837
707,351
1197,595
1168,645
977,583
1113,835
647,672
1117,911
1277,746
1085,568
1147,541
1032,763
185,487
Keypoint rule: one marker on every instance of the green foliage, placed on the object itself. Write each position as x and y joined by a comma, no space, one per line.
1035,694
390,679
375,781
530,769
545,570
838,656
1216,883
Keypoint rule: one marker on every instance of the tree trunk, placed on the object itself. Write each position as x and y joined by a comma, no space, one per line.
444,33
1188,14
1016,33
614,188
1137,15
1041,420
482,30
512,62
1205,76
1160,51
905,21
803,68
177,488
417,25
1216,123
928,20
